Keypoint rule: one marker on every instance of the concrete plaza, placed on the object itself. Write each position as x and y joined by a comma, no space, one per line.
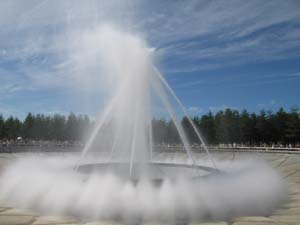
289,213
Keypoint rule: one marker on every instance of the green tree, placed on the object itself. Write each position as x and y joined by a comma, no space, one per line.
57,127
227,126
189,130
159,131
2,122
293,126
247,128
28,126
172,133
12,128
72,127
84,126
208,127
262,126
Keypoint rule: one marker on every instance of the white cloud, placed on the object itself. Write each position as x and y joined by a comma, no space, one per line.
272,105
194,110
190,35
226,33
215,109
216,34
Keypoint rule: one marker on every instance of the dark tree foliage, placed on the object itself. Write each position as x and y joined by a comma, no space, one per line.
292,133
231,126
226,126
161,132
28,126
2,127
280,124
41,127
12,128
72,127
191,135
247,127
57,128
207,125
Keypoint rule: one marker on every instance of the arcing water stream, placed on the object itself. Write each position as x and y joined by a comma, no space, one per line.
123,186
191,187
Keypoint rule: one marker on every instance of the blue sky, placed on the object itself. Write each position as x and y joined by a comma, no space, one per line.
215,54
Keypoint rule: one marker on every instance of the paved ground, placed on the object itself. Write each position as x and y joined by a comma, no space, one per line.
287,164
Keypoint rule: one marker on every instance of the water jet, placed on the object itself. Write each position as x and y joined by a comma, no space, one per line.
130,182
129,112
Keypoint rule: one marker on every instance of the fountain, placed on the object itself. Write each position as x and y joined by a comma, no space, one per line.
119,175
129,117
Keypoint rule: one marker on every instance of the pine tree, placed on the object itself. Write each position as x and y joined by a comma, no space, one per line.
1,127
28,126
293,126
208,128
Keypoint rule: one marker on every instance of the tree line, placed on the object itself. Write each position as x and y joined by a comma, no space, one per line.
41,127
232,126
225,126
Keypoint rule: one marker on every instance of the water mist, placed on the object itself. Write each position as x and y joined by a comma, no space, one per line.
124,131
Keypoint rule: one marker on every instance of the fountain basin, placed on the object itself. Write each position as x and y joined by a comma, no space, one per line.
156,172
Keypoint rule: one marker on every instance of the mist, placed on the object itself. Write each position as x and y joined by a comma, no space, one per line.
50,185
102,58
